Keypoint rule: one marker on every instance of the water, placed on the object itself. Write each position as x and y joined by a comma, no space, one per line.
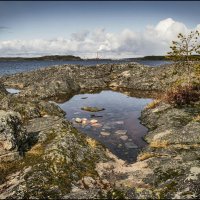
118,126
12,91
11,67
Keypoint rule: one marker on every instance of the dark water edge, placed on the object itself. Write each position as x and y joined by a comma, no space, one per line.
12,67
118,126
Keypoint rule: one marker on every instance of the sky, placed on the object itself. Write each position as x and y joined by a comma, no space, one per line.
115,29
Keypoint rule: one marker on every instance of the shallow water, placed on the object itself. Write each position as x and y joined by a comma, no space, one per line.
118,126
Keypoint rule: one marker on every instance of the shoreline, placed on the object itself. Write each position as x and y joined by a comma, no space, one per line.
152,176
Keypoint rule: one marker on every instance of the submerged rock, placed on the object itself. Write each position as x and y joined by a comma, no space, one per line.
105,133
93,121
121,132
131,145
92,109
78,120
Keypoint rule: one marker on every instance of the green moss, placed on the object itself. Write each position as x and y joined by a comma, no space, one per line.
112,194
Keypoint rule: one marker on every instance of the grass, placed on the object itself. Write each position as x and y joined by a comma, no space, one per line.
196,118
146,155
92,143
159,144
153,104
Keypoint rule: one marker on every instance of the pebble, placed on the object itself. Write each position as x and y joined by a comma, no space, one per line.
119,122
119,145
124,137
106,127
78,120
105,133
121,132
131,145
84,121
97,125
76,113
87,127
93,121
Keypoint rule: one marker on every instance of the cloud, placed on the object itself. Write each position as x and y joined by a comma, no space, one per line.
3,28
154,40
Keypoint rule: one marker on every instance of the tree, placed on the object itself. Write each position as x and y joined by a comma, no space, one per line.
185,50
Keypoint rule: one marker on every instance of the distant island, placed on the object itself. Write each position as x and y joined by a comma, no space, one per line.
42,58
77,58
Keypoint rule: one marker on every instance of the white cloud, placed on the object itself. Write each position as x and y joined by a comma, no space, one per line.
154,40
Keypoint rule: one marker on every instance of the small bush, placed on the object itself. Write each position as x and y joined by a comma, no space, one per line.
182,95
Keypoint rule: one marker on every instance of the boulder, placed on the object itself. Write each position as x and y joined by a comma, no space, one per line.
12,136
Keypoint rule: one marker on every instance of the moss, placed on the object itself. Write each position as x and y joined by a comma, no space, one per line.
163,176
112,194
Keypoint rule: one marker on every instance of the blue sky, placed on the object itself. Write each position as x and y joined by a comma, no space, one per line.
55,23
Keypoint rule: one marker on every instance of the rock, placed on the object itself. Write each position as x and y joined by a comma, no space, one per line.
84,97
93,121
92,109
119,145
104,133
107,127
84,121
3,91
12,136
121,132
124,137
93,116
97,125
89,182
119,122
78,120
131,145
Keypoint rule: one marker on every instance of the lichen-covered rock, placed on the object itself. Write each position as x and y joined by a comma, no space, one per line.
12,136
3,91
66,80
58,160
30,108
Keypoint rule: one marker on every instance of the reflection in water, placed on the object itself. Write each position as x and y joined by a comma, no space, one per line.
117,127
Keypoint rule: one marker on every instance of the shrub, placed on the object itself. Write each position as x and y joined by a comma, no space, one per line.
182,95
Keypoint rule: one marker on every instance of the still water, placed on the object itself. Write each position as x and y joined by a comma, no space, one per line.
118,126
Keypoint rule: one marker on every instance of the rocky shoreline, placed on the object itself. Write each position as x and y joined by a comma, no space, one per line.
43,156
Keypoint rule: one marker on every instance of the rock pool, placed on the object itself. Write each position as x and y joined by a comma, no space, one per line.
117,126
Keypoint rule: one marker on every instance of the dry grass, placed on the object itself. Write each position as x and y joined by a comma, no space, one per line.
196,118
145,155
36,150
153,104
185,146
92,143
159,144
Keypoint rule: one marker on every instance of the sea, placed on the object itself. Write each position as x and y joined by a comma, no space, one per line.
12,67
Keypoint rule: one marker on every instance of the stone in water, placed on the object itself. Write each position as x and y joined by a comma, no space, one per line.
92,109
124,137
97,125
104,133
78,120
119,122
131,145
121,132
93,121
